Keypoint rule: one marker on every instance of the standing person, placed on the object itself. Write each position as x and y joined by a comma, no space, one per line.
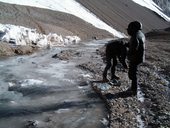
115,49
136,52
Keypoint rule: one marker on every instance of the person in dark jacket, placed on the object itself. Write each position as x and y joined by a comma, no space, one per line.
115,49
135,53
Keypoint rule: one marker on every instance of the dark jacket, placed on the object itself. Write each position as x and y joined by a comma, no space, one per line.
137,48
116,48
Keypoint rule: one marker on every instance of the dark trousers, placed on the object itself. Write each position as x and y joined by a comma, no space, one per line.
133,68
110,63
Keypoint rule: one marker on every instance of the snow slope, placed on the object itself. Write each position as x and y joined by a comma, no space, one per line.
18,33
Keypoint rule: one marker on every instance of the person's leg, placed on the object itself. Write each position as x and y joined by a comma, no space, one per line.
122,57
113,68
108,65
133,76
134,85
122,60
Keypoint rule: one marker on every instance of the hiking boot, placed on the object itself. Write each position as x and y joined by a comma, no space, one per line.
115,82
105,80
130,91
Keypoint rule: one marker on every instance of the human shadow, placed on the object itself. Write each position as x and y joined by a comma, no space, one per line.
10,111
97,81
40,90
123,94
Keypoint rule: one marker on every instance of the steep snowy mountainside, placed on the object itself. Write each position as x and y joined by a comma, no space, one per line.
118,13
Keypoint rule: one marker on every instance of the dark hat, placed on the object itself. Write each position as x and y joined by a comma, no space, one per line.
135,25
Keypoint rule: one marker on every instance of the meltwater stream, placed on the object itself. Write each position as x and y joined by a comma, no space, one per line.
44,92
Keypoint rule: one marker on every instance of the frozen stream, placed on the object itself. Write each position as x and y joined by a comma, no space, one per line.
47,92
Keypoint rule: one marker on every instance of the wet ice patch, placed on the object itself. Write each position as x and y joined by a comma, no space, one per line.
69,81
140,95
29,82
56,69
81,87
1,65
62,110
13,102
140,98
10,96
102,86
80,119
140,122
20,60
86,76
11,84
104,121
